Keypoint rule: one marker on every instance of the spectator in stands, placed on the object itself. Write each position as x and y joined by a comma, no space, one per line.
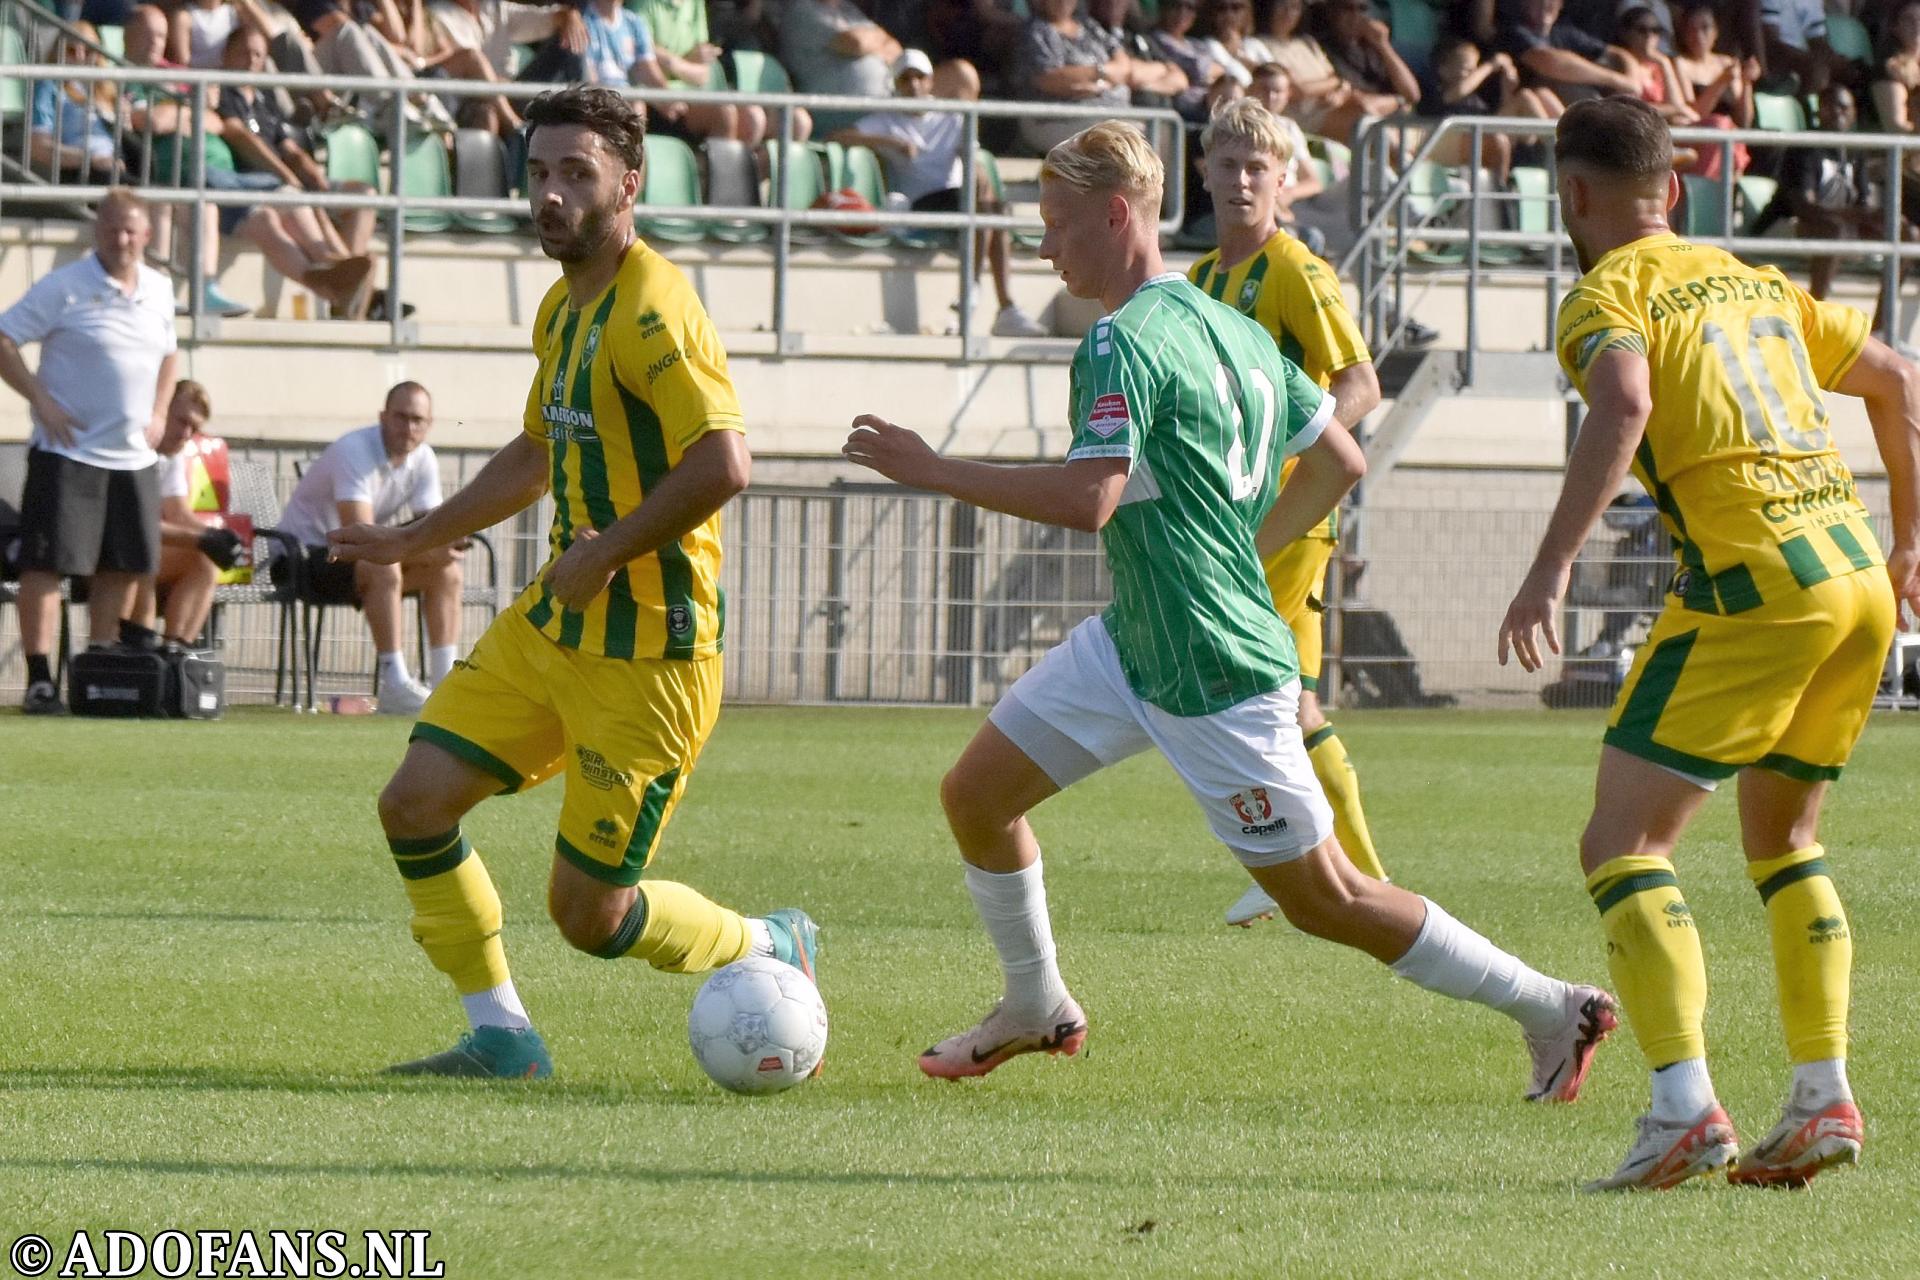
924,164
1173,42
1637,33
70,134
1560,56
333,42
620,52
829,46
1797,53
262,142
1601,18
1227,27
1324,101
1064,60
198,30
90,507
195,546
1362,51
1896,86
293,238
475,39
1714,83
1829,193
1467,85
1272,88
1151,80
373,476
986,33
688,58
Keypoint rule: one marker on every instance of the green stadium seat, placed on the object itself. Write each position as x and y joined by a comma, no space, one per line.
1779,112
13,91
672,178
1533,211
1847,36
806,182
1752,193
757,73
424,171
1705,211
1428,189
114,41
861,173
480,171
353,155
1337,154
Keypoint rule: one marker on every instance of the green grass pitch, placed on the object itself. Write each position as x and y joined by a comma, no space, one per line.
206,963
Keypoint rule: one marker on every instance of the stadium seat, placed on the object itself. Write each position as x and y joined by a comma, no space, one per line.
1848,37
425,172
253,495
805,183
1779,112
13,91
861,173
672,178
480,171
1705,211
1338,155
756,73
114,41
1533,210
733,181
353,155
1415,25
1752,194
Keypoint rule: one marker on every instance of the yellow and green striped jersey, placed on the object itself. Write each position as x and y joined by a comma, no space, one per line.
1737,453
627,384
1296,298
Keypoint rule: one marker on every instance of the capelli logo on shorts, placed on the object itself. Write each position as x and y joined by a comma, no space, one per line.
1252,806
598,773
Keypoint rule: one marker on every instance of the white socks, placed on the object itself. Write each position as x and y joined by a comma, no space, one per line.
1682,1090
497,1007
393,669
440,661
1817,1084
1013,906
1453,960
760,937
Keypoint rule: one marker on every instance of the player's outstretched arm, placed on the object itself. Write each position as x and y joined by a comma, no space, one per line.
512,479
1619,401
1356,393
713,469
1329,467
1075,495
1890,386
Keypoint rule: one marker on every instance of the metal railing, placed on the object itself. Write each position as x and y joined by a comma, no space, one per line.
1388,172
1163,127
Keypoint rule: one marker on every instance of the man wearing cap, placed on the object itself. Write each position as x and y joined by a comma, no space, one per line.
922,154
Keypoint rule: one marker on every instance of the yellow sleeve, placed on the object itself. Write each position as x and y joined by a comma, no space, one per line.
531,422
680,368
1314,311
1836,334
1595,319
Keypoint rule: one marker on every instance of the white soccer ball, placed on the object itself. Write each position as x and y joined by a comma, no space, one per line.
758,1026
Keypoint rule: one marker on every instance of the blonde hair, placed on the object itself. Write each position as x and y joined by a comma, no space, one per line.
1109,156
1247,120
194,394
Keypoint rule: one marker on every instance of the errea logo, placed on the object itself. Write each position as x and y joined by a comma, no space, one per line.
606,832
651,323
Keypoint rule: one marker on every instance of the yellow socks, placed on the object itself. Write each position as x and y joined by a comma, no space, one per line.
1654,956
456,911
1812,951
675,929
1337,778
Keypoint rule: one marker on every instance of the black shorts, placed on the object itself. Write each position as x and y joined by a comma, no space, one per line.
327,581
77,520
947,201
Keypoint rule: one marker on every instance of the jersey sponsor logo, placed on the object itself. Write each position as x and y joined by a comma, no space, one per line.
568,423
1108,414
679,620
651,323
661,365
596,771
559,391
1808,501
1255,812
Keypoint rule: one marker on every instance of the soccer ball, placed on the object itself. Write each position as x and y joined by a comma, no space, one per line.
758,1026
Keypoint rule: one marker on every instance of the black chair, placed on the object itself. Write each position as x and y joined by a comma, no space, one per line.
252,494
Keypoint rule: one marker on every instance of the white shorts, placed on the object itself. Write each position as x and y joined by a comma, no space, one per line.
1074,714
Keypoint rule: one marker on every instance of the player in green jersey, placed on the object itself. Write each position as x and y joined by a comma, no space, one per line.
1183,412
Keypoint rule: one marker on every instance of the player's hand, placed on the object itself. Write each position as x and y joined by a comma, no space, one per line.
580,574
373,543
60,426
1903,566
895,452
1533,608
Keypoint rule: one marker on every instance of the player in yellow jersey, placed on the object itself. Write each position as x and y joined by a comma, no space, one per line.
1705,375
1268,275
607,667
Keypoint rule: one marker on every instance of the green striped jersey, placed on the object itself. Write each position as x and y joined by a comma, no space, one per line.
1195,395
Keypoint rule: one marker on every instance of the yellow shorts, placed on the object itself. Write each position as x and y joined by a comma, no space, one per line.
1786,686
1297,575
627,732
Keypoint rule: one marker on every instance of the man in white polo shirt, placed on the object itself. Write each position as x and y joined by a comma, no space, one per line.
375,476
91,504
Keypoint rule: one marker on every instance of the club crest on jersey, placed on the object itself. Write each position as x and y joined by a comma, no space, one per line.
1248,292
679,620
593,344
1108,414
